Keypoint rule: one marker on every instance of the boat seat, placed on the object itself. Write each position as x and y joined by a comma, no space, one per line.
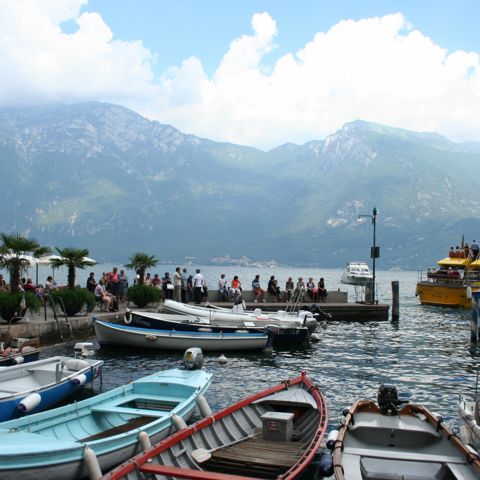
179,472
131,411
402,455
387,469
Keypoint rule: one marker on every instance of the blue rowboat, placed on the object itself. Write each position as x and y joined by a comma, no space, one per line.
117,334
59,444
27,351
35,386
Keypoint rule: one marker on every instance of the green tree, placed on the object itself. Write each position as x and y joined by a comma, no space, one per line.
139,262
72,258
14,250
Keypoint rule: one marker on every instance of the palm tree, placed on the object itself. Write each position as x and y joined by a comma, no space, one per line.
140,262
72,258
13,255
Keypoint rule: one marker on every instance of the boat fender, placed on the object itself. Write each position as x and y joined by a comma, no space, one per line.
416,291
76,364
144,440
18,360
29,402
315,337
439,422
178,423
91,462
257,312
325,465
203,406
331,439
151,337
127,318
469,293
79,379
222,359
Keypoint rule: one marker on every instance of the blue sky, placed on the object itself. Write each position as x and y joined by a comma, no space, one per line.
258,73
178,29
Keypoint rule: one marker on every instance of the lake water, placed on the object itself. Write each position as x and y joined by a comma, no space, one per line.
427,353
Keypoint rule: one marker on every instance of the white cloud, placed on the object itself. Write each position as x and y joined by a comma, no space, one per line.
376,69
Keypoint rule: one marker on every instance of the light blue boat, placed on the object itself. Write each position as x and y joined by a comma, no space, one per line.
53,445
35,386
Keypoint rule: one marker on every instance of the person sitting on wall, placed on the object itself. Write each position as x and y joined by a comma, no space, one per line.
101,295
258,291
289,289
312,289
322,291
222,288
236,289
300,290
273,289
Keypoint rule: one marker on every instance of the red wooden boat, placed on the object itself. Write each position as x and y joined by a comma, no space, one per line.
273,434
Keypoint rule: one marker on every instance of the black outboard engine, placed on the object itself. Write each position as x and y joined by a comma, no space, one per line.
387,399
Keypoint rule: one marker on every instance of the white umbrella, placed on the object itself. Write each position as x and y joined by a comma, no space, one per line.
88,259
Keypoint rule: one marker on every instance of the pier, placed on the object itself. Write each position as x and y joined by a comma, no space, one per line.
51,330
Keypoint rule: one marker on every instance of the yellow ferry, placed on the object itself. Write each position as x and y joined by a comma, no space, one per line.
452,283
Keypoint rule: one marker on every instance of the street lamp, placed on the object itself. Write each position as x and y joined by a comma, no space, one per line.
374,251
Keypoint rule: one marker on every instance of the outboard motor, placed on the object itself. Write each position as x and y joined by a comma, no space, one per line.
193,358
387,399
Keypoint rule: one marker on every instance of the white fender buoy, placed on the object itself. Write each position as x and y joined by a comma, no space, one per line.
127,318
203,406
91,462
178,423
76,364
144,440
152,338
18,360
331,439
29,402
416,291
79,379
222,359
469,293
315,337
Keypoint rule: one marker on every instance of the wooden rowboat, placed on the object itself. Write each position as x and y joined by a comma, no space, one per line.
273,434
384,441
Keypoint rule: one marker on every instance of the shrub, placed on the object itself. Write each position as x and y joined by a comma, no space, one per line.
74,299
10,304
142,295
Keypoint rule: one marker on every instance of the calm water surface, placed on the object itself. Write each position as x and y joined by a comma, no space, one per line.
427,353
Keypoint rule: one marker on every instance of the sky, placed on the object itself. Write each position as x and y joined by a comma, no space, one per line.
253,72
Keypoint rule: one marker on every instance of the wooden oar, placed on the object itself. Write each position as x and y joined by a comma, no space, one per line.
201,455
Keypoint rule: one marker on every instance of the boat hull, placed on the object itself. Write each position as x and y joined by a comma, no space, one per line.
113,334
40,378
285,336
51,444
441,295
469,429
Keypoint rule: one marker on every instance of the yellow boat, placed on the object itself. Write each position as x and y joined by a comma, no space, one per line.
450,285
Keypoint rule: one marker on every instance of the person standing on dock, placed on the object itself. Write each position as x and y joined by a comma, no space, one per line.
474,248
177,285
198,287
222,288
185,296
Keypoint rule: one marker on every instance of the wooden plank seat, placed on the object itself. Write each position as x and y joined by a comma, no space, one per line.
256,456
131,424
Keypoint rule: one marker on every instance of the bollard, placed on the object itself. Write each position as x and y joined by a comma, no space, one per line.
395,300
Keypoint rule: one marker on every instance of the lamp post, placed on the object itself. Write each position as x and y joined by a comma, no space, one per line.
374,251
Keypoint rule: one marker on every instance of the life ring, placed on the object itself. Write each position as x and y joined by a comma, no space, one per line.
127,318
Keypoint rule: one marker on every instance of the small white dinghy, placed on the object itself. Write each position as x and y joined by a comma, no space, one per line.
385,441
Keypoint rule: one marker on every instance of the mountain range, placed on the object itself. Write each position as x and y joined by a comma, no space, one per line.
102,177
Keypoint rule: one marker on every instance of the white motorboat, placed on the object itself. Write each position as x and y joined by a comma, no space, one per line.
237,313
356,273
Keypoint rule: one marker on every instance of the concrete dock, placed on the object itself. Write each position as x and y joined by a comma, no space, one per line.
80,326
